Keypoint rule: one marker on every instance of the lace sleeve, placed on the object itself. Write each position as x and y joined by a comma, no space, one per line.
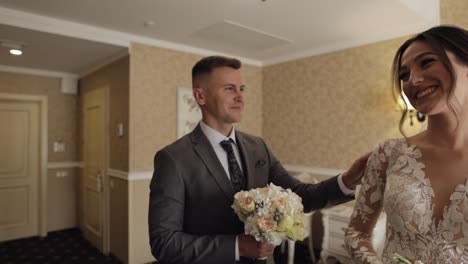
367,210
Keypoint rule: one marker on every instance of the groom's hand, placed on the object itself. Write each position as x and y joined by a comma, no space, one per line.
251,248
353,175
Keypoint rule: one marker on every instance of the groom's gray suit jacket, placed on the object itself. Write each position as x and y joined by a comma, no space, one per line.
190,214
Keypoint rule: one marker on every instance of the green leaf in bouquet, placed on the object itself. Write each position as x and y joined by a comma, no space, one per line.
401,259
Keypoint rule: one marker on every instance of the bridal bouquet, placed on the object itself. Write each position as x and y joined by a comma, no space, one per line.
401,259
271,214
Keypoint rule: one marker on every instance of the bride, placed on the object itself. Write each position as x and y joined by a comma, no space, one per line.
421,182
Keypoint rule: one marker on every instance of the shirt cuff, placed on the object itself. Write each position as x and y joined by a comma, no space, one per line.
343,188
237,249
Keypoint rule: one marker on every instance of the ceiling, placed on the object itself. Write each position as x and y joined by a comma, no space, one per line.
54,52
69,36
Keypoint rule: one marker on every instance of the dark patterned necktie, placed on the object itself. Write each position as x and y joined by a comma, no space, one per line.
237,180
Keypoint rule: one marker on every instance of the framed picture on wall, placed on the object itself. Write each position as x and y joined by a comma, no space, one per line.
188,112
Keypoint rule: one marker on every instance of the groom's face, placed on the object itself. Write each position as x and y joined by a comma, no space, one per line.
223,96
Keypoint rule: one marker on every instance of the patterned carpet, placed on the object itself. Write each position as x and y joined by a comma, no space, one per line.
67,246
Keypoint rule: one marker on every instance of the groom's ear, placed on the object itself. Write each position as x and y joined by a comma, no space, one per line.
198,95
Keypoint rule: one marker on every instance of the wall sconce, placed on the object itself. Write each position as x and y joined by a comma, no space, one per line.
411,110
15,48
420,117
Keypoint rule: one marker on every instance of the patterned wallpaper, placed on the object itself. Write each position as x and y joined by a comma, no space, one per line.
155,75
116,76
62,109
454,12
327,110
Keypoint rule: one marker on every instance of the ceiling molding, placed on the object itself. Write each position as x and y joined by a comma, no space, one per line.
103,63
39,72
32,21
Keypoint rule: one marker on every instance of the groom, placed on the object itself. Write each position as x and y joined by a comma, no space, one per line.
196,177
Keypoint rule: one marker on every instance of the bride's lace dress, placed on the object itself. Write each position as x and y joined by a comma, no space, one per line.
395,182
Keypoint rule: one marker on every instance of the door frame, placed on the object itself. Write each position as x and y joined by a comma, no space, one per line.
105,175
42,100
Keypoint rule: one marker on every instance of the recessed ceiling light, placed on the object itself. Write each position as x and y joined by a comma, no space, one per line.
16,52
14,47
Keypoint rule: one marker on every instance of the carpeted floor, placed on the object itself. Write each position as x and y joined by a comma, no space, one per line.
67,246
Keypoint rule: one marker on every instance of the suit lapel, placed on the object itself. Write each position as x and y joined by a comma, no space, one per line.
246,152
203,148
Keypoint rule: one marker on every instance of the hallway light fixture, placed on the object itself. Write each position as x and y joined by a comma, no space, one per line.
15,48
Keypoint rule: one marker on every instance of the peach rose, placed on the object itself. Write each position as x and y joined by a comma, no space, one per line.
247,205
266,225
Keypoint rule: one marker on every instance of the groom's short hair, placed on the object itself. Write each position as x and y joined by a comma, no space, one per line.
206,65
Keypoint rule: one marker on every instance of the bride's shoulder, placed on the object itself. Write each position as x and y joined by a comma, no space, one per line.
389,149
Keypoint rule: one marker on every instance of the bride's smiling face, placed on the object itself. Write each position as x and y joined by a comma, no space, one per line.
426,80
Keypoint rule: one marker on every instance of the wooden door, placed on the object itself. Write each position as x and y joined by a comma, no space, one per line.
95,113
19,169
